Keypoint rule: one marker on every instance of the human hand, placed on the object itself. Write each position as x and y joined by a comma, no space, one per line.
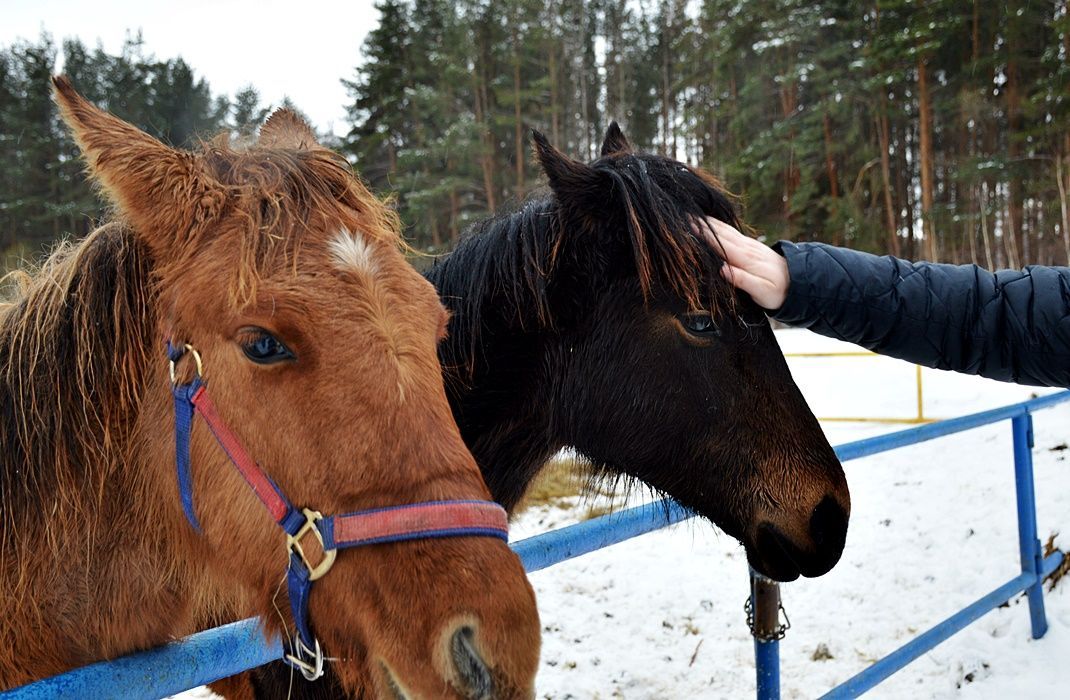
750,266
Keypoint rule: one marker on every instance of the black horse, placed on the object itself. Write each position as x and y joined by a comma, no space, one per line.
596,318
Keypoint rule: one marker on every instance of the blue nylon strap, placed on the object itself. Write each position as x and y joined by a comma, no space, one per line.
299,586
293,520
183,428
326,528
175,352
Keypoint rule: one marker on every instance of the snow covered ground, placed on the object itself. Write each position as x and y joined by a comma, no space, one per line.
932,528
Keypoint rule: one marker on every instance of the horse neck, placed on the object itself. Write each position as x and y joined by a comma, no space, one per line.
83,533
496,357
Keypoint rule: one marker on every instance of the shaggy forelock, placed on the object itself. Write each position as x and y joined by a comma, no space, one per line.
288,200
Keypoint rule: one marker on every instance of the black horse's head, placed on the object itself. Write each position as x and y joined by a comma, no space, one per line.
667,374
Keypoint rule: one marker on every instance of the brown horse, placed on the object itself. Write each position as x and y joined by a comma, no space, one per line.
243,256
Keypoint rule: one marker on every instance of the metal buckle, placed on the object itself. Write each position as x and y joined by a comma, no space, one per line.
293,544
311,669
196,359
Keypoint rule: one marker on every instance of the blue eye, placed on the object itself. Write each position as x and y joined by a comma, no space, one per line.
700,324
265,349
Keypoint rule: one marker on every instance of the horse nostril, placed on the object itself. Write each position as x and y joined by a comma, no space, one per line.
473,676
828,525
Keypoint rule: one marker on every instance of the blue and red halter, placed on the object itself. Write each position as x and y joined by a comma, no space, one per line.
432,519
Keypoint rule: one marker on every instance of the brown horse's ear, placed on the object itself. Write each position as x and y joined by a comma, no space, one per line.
574,183
285,129
163,192
614,141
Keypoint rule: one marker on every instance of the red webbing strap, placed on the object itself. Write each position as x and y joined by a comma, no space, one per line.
261,485
417,521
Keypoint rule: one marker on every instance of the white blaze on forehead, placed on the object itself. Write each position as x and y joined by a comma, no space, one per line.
352,252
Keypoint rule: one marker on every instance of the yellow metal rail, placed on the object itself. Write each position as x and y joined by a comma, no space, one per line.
915,420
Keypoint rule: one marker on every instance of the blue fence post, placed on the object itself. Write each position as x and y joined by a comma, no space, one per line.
1028,543
763,616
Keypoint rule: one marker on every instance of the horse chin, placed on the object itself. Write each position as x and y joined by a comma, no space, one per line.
776,565
775,555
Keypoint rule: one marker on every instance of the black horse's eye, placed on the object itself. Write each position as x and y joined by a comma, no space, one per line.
701,324
263,348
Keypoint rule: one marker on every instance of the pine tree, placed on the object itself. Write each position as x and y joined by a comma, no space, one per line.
246,113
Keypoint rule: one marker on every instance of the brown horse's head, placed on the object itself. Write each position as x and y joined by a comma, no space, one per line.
667,375
319,350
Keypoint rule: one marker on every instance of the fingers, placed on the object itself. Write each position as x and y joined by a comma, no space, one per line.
749,264
761,289
735,247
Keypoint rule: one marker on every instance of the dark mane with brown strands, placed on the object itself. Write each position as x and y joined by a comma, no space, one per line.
551,253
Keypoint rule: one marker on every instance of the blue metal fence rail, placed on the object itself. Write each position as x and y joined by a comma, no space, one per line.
217,653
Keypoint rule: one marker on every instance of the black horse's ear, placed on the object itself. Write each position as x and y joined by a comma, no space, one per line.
573,182
614,141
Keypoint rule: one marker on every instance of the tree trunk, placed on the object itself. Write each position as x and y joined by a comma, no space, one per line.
982,201
1014,191
486,140
618,47
830,162
436,235
455,216
788,103
1060,179
925,138
519,130
886,174
555,89
664,150
904,180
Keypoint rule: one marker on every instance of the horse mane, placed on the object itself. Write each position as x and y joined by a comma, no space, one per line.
518,263
74,351
79,335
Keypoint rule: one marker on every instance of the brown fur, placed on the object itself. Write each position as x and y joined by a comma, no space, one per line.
96,558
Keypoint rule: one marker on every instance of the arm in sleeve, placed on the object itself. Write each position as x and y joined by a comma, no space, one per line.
1009,325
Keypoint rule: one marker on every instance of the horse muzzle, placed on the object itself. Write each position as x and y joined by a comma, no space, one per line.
782,550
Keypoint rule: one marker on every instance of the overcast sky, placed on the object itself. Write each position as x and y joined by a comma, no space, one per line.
299,49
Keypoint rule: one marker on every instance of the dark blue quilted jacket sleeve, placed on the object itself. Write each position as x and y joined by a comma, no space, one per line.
1009,325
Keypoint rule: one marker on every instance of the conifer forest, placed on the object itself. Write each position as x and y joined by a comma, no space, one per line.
935,129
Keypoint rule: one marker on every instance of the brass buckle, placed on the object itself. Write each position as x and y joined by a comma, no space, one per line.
293,544
196,359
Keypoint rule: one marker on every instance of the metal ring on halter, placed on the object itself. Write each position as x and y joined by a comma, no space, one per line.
293,544
311,669
196,359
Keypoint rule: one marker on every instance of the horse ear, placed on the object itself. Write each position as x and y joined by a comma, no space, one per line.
161,190
285,129
573,182
614,141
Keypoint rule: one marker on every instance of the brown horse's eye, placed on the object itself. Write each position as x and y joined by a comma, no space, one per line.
700,324
263,348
